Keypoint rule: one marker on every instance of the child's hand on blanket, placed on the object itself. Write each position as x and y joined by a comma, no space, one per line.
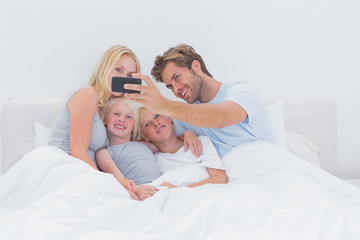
169,185
144,191
128,185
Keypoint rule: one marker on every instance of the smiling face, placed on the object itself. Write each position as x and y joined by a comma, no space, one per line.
119,121
183,82
124,67
156,127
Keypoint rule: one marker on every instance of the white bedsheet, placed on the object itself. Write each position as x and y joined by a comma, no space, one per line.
271,195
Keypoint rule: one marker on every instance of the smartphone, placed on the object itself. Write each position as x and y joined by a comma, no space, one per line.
117,84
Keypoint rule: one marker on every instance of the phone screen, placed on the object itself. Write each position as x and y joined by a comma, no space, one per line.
117,84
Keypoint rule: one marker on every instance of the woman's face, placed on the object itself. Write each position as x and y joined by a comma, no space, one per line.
125,67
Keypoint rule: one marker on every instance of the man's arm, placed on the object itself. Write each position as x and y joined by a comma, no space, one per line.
203,115
207,114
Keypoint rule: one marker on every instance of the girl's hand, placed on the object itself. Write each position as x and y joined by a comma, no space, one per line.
132,195
191,140
169,185
144,191
128,185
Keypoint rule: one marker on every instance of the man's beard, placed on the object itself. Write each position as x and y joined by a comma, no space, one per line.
196,88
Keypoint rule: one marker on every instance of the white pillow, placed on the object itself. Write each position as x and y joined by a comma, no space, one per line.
276,116
42,135
303,148
295,143
254,159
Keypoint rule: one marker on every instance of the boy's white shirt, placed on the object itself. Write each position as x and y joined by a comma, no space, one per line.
208,158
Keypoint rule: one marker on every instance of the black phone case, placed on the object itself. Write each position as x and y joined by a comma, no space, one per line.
117,84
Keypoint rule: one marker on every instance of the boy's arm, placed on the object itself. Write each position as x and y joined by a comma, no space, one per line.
191,140
216,176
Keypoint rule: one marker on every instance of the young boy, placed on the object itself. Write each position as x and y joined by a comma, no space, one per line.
158,130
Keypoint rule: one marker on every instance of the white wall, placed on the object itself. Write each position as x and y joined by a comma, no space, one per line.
285,48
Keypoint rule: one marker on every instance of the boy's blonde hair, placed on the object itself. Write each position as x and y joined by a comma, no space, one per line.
136,133
140,115
99,78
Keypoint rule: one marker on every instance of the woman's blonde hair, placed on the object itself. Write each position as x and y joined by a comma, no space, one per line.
136,133
99,78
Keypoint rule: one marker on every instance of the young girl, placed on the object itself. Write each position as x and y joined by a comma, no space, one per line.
78,129
124,157
159,130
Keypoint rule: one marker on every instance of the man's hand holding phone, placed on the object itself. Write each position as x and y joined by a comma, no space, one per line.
150,95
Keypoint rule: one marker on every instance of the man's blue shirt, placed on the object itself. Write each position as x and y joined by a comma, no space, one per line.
256,127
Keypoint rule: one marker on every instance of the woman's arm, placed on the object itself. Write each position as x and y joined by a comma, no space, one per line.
106,164
82,107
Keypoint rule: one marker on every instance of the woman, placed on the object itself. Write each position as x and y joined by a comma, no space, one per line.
78,129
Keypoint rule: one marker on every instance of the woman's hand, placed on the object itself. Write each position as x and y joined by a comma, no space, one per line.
192,141
144,191
169,185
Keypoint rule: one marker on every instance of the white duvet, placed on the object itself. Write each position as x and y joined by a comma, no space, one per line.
271,194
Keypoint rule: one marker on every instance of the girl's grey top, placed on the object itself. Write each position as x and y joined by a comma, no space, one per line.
60,133
135,161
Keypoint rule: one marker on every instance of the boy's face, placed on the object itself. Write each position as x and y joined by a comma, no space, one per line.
156,127
119,120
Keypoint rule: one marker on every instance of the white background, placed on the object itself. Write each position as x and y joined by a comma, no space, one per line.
285,48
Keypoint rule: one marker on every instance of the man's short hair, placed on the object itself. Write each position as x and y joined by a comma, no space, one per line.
182,55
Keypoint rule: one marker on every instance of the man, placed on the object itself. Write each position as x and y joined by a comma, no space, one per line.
229,113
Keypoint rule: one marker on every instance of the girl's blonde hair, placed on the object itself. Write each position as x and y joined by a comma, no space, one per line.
136,134
99,78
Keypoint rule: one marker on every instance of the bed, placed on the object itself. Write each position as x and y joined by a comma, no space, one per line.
286,190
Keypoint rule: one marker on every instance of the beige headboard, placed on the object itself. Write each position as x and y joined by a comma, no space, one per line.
17,129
